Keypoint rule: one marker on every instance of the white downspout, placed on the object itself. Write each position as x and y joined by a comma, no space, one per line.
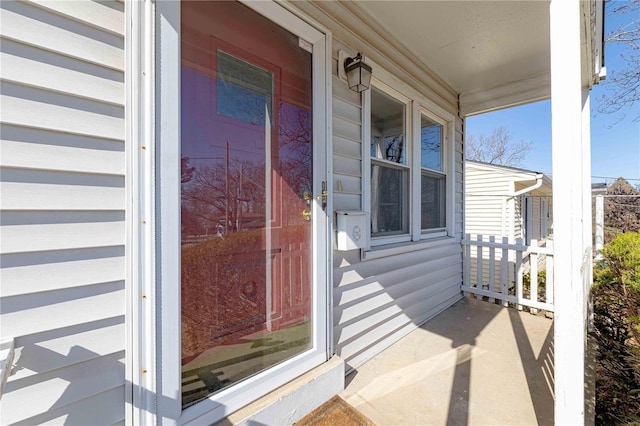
536,185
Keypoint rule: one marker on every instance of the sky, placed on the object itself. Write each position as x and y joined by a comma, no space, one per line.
615,141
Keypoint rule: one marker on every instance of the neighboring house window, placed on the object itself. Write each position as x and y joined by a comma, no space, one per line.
408,169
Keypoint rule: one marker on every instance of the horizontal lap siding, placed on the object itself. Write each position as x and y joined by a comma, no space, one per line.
347,148
486,202
62,198
379,301
376,302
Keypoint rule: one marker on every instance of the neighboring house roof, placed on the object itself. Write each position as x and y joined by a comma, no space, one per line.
517,173
598,188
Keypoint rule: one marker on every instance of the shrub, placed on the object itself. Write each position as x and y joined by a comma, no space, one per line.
542,284
616,300
542,279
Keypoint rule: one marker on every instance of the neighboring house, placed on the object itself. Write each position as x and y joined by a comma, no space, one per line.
503,201
142,141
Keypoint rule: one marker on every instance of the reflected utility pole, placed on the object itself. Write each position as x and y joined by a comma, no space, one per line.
226,192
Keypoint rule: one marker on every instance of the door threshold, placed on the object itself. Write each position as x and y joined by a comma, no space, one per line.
294,400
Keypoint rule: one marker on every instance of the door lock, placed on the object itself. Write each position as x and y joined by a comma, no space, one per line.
306,214
323,196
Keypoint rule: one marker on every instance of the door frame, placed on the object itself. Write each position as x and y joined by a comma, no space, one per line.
527,218
153,361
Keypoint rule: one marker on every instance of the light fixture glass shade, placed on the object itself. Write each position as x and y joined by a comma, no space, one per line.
358,74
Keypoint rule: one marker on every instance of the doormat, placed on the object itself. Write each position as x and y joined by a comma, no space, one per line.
335,412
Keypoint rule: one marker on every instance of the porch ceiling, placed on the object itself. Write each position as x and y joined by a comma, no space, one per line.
481,49
472,45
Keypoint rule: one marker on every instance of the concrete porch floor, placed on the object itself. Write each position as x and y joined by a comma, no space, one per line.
474,364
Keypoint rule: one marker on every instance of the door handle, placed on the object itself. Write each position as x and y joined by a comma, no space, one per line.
306,196
306,214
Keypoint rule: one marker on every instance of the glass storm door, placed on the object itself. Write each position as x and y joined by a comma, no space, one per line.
246,196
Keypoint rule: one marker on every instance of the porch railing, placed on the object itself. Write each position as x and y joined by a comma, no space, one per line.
508,272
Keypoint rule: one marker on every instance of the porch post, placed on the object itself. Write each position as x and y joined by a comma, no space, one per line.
572,209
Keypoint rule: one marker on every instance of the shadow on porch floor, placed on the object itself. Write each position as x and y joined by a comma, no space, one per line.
475,364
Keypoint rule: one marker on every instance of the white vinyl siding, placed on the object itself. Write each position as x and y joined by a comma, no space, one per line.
378,301
62,200
347,147
487,207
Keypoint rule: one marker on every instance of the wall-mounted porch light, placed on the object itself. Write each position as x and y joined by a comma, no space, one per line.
358,73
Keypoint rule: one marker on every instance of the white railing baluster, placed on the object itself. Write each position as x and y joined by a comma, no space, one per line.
479,261
519,275
504,271
492,268
467,265
533,274
550,282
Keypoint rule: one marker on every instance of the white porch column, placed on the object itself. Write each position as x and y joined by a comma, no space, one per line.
572,209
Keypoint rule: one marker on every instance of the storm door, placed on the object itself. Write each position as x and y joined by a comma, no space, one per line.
251,221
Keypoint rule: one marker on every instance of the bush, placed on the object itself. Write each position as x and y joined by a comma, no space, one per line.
616,300
542,284
542,279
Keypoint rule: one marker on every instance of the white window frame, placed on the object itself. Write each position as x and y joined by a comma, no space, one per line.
408,165
160,345
418,232
417,105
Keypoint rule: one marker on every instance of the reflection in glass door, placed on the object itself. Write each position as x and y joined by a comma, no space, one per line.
246,182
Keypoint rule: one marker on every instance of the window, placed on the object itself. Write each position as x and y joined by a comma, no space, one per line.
408,168
433,181
389,168
243,90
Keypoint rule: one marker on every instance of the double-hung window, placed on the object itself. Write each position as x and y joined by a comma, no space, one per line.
433,179
408,168
389,165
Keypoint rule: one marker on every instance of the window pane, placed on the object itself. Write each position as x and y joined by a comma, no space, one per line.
388,139
243,90
433,201
388,200
430,144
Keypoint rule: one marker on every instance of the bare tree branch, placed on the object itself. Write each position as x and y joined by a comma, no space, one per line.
622,86
497,148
